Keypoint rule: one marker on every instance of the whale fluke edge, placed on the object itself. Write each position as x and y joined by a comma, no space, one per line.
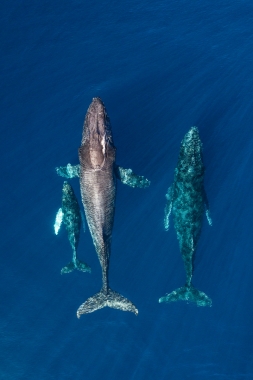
79,265
189,294
106,298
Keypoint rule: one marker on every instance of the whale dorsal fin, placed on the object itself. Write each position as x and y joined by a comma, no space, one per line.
128,177
58,221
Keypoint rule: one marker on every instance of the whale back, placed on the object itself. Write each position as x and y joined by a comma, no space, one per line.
71,214
188,190
98,191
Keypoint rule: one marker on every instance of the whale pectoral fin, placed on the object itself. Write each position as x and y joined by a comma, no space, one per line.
188,294
129,178
68,171
110,299
209,219
168,208
58,221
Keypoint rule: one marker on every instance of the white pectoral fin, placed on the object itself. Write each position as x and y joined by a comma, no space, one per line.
128,177
168,208
209,219
208,216
58,221
68,171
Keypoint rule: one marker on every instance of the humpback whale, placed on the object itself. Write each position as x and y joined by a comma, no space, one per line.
70,215
187,201
98,173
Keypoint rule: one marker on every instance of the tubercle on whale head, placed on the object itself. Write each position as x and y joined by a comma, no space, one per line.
66,189
190,156
97,132
97,126
191,142
68,196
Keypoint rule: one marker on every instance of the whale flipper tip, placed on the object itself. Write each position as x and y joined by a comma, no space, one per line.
110,299
188,294
128,177
209,219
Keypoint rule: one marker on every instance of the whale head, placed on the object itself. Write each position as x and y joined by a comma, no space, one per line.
190,157
97,133
66,187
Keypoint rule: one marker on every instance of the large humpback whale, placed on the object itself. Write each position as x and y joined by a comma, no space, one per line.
70,215
187,200
98,174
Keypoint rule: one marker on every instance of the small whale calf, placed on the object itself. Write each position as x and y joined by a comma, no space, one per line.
187,201
98,174
70,215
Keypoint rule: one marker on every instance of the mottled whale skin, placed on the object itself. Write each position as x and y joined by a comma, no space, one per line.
98,174
70,215
187,201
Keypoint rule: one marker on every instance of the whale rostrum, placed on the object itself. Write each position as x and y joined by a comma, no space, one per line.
98,174
70,215
187,201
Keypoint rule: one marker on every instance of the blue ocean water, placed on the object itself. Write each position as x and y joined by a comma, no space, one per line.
160,67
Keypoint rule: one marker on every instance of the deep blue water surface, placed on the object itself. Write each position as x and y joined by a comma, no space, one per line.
160,67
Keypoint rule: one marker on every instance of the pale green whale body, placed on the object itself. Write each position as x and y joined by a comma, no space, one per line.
70,215
187,201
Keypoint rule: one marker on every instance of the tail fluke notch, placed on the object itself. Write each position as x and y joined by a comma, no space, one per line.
83,267
103,299
188,294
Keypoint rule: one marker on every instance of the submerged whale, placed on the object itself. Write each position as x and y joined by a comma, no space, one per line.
98,174
70,215
187,201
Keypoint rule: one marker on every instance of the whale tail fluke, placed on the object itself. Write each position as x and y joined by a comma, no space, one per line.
83,267
189,294
103,299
